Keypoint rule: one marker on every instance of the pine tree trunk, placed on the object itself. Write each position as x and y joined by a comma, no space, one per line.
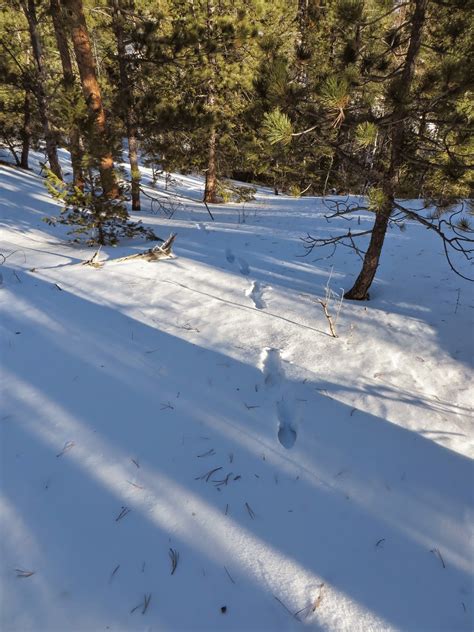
29,9
400,89
127,104
60,32
26,131
210,191
85,61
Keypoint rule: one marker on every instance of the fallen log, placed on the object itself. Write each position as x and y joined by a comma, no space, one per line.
152,254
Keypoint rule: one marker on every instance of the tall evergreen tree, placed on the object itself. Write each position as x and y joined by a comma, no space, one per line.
99,144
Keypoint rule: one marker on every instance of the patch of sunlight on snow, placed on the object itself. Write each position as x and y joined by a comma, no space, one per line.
168,504
27,311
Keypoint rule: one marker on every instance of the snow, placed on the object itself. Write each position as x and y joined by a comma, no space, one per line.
199,404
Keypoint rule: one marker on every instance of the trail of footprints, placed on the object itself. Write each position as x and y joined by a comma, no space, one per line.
272,367
255,292
286,406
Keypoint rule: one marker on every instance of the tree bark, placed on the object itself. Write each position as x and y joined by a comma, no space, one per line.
210,190
85,61
29,9
127,104
26,131
400,90
60,32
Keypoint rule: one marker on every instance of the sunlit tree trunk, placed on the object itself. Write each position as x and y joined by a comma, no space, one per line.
400,89
76,21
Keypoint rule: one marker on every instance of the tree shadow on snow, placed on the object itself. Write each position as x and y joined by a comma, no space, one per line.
104,413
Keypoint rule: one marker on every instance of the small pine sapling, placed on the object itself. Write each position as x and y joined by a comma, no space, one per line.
92,215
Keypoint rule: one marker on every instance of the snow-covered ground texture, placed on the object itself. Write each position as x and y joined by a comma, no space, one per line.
196,409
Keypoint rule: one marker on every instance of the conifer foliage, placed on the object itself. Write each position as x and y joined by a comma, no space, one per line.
367,97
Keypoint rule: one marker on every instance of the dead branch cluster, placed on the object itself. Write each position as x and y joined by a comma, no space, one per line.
450,223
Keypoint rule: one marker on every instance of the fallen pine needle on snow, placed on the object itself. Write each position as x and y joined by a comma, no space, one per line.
113,572
123,513
250,511
229,575
440,557
67,446
21,573
174,557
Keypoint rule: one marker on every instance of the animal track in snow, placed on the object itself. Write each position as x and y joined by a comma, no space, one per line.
286,433
285,404
243,266
255,293
271,367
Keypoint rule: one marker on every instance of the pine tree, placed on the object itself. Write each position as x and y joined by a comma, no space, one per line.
99,144
38,85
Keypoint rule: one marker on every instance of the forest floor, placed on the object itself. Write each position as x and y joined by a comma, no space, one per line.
184,446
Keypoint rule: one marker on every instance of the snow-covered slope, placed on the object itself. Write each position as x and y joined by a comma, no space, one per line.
198,408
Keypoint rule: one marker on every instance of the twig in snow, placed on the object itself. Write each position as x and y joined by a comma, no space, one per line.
123,513
229,575
249,407
59,288
324,305
250,511
226,509
152,254
436,552
21,573
135,462
379,542
67,446
94,260
20,281
174,557
113,573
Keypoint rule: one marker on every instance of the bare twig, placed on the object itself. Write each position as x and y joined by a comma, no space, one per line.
328,316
